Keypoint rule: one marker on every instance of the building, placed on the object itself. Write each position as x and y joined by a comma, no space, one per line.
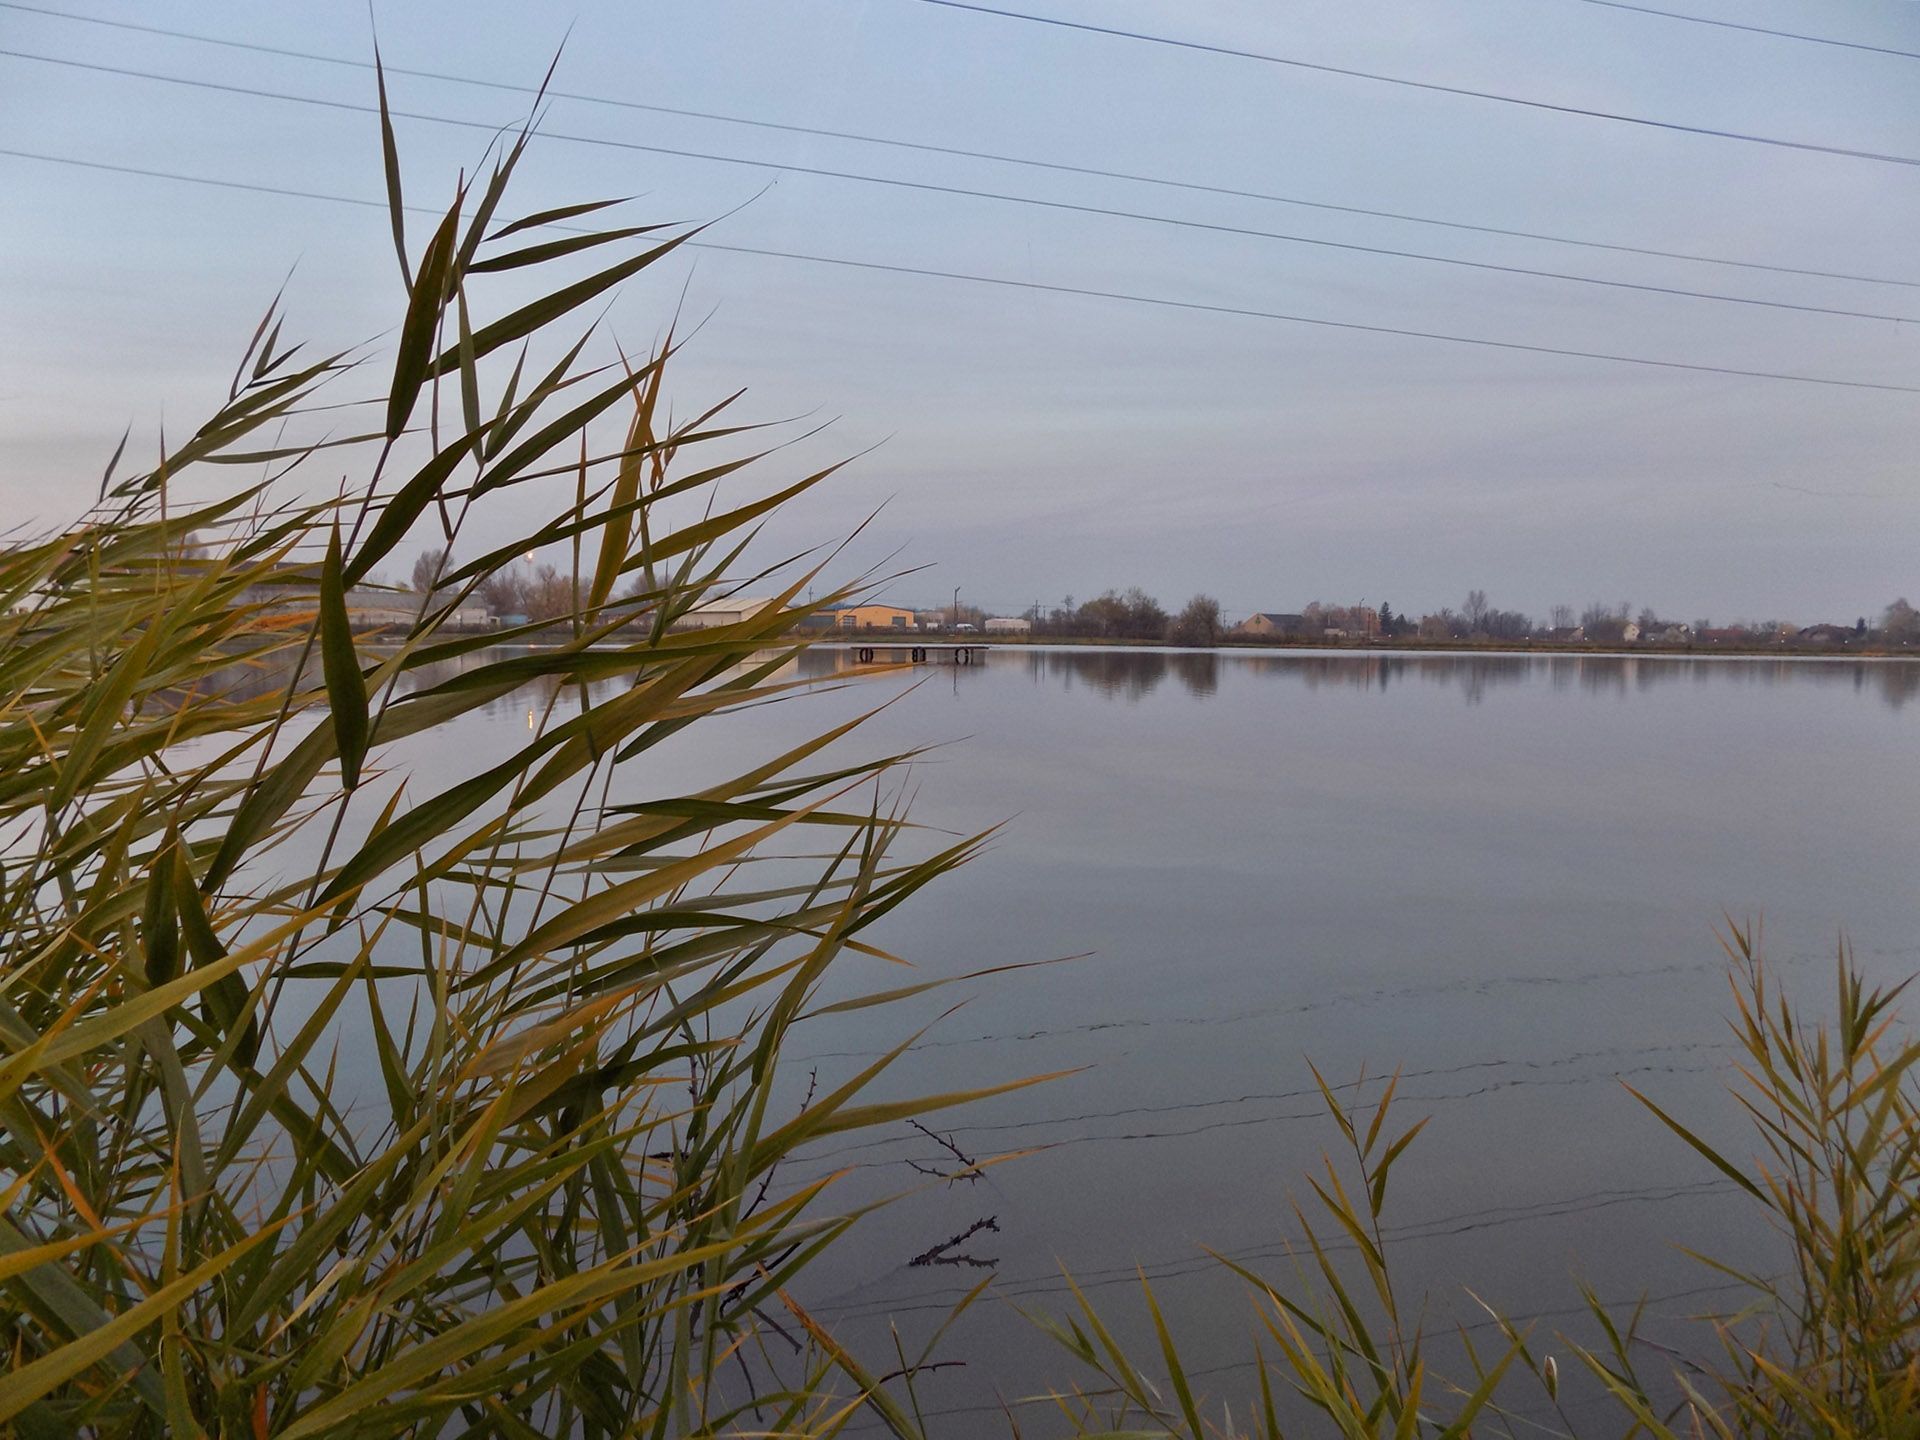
372,609
1268,625
876,617
380,607
1008,625
730,610
1827,635
368,608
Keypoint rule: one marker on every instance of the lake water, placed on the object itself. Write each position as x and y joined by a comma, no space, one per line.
1500,874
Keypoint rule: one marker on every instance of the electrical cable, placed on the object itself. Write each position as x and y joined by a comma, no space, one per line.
1162,302
931,187
1431,86
1756,29
994,157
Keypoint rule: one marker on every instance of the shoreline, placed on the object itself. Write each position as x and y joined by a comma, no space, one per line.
1399,648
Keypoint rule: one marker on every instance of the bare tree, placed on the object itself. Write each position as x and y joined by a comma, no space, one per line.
1599,612
551,594
1198,624
1134,615
1901,622
1103,615
504,592
1605,623
1145,619
1507,624
1562,617
430,566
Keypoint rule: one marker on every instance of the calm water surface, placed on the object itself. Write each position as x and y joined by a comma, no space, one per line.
1502,875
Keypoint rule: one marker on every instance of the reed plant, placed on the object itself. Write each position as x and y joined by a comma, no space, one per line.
1824,1347
553,989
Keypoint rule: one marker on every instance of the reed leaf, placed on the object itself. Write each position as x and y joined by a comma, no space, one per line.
344,1108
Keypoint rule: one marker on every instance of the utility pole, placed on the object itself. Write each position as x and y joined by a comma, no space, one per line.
954,623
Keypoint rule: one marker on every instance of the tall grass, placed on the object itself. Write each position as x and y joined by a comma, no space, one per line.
1827,1349
227,902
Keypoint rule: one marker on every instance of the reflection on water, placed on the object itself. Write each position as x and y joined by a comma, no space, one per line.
1275,856
1132,674
1501,872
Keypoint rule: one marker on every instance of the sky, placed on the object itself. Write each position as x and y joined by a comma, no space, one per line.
1028,445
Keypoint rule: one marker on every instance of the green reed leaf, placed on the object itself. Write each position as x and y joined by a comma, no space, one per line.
340,663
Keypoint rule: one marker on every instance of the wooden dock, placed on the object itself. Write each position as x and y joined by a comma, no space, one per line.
963,653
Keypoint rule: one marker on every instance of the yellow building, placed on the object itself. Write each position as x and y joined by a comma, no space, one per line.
875,617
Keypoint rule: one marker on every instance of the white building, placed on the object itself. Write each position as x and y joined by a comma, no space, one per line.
1008,625
728,611
367,608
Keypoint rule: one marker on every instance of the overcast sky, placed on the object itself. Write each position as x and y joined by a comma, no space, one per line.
1039,444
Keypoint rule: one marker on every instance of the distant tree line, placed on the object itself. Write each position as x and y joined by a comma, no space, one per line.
1116,615
1131,614
545,592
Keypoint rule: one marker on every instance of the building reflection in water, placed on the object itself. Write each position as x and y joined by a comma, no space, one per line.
1133,674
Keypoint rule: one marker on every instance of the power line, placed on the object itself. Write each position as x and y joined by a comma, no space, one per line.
248,185
1431,86
1036,286
932,187
1756,29
1059,167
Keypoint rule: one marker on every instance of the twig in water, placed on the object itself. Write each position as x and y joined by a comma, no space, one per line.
921,1369
970,1170
941,1254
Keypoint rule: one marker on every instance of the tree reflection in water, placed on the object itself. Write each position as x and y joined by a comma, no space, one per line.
1131,675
